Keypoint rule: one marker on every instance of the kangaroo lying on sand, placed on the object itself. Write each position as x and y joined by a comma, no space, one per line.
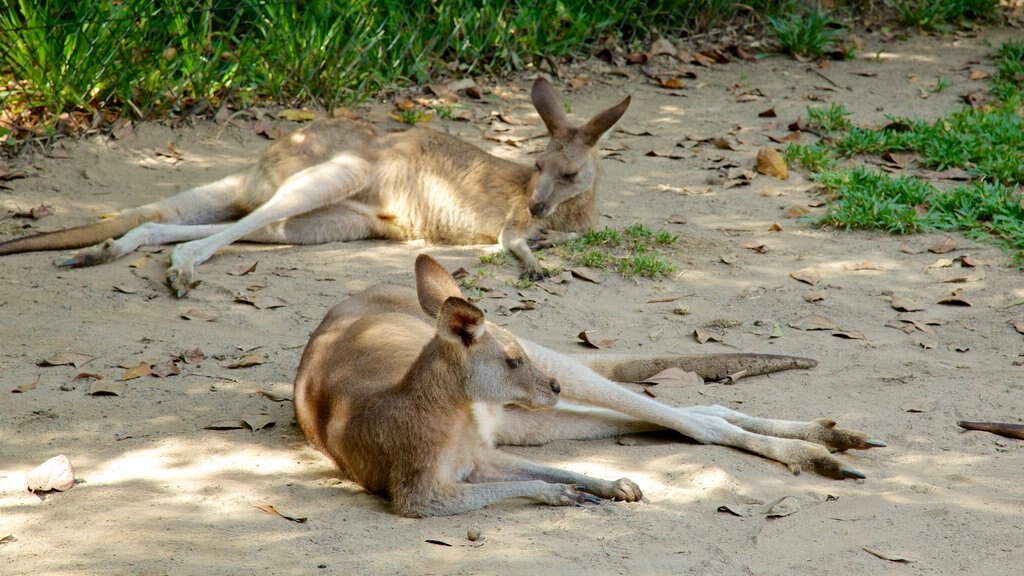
338,180
409,392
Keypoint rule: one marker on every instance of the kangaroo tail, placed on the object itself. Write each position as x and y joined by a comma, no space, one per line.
80,236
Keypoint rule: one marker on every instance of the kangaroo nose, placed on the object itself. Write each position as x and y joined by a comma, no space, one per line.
555,387
538,208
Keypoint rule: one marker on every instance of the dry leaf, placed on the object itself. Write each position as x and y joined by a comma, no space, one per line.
864,265
54,474
258,422
260,302
849,334
588,274
955,300
248,361
941,263
807,276
887,556
704,335
676,219
905,304
75,359
664,300
923,341
815,296
138,371
193,314
107,388
771,163
795,212
947,245
124,289
1018,325
728,258
673,376
193,356
166,369
243,269
273,510
225,425
813,322
273,397
599,344
754,246
26,387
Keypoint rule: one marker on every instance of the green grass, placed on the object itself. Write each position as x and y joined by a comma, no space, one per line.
633,251
936,15
987,143
69,65
810,34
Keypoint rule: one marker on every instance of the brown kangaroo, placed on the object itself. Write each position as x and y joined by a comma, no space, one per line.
338,180
409,391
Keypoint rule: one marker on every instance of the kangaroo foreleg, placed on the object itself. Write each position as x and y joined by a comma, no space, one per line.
459,498
505,467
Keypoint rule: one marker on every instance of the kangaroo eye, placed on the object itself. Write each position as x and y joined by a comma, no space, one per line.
570,176
536,164
514,362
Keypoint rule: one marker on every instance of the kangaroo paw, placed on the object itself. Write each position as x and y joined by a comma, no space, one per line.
181,280
99,254
824,431
622,489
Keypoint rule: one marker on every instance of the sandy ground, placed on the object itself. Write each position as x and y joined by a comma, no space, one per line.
157,493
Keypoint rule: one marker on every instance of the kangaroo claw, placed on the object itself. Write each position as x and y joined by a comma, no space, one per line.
873,443
852,473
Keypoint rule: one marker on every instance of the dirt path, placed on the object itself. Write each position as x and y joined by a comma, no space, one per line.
159,494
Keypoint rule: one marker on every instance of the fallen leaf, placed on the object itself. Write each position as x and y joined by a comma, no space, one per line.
75,359
769,113
664,300
8,539
673,376
138,371
775,227
887,556
107,388
941,263
243,269
225,425
728,258
599,344
676,219
923,341
437,542
54,474
588,274
754,246
193,314
947,245
815,296
849,334
905,304
26,387
166,369
771,163
785,506
124,289
813,322
795,212
258,422
705,335
273,397
260,302
192,356
864,265
806,275
248,361
955,300
1018,325
270,508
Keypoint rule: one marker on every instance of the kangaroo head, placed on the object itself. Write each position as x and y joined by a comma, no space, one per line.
498,369
569,165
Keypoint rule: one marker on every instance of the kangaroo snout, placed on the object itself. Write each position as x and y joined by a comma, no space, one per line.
537,208
555,387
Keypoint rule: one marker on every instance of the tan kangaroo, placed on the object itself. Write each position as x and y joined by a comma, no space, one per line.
409,391
338,180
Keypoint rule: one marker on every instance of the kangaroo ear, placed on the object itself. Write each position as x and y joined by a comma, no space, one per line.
549,106
460,321
598,125
434,285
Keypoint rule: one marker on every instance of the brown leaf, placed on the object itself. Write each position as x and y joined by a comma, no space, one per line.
922,341
274,397
795,212
887,555
670,83
54,474
258,422
124,290
664,299
243,269
248,361
754,245
8,539
35,213
599,344
775,227
166,369
588,274
672,154
107,388
813,322
228,424
955,300
769,113
815,296
849,334
272,510
193,356
947,245
728,258
905,304
673,376
1018,325
704,335
794,136
864,265
193,314
771,163
806,275
138,371
676,219
260,302
26,387
75,359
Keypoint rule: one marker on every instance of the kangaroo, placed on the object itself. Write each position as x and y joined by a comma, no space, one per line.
409,391
339,180
403,406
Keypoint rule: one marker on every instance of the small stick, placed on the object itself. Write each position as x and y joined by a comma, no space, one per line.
1001,428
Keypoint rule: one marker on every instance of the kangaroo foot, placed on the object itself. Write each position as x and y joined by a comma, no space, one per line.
101,253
